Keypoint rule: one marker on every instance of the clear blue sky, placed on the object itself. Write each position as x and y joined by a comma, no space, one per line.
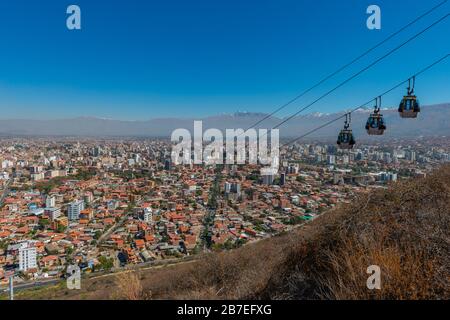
140,59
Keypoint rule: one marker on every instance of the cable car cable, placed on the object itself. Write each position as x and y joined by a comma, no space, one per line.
348,64
363,70
359,72
371,100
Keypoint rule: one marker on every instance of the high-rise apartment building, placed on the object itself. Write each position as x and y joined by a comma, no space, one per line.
148,215
74,210
27,257
50,202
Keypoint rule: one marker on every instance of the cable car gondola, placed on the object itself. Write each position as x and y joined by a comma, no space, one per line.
409,107
346,139
375,124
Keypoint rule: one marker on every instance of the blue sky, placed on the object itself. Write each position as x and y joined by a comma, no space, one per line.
140,59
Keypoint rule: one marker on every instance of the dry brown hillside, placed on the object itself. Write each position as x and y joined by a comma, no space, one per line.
405,230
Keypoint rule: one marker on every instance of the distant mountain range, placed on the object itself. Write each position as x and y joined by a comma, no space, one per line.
432,121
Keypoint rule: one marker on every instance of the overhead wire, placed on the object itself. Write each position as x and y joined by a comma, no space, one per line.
345,66
366,103
362,70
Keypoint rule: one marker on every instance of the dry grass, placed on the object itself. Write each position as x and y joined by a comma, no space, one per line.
225,275
129,286
404,230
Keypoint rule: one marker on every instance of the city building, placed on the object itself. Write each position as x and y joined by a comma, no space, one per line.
282,179
50,202
27,257
148,215
268,179
331,159
74,210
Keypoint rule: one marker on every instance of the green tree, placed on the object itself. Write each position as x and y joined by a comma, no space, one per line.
61,229
106,263
43,223
97,234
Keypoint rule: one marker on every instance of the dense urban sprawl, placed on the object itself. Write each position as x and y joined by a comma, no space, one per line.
106,204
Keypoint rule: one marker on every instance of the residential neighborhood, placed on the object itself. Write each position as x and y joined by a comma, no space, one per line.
106,205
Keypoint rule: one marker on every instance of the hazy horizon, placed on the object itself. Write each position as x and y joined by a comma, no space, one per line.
231,113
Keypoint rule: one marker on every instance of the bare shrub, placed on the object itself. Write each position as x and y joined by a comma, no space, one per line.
128,286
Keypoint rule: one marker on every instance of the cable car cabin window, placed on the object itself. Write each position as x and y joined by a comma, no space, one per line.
408,104
374,122
346,137
416,105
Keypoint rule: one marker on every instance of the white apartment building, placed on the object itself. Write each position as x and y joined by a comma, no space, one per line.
52,213
74,210
148,215
50,202
27,257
